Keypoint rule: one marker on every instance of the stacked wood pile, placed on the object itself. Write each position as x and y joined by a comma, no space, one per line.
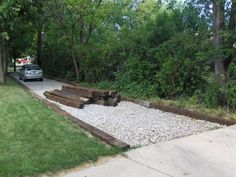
79,96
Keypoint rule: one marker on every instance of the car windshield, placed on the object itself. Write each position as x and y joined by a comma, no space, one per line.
33,67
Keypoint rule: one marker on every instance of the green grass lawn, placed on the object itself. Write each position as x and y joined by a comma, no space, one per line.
34,139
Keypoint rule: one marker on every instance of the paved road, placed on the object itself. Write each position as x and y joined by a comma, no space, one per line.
40,87
211,154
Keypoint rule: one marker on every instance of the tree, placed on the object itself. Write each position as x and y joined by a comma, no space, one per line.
231,37
21,41
3,60
221,17
38,16
77,20
7,15
218,27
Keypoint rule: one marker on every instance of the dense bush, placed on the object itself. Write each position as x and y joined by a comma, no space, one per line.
136,78
210,95
232,96
180,72
137,70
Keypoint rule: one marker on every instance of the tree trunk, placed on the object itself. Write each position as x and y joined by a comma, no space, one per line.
2,79
39,45
6,58
14,59
218,26
2,63
72,44
81,33
76,65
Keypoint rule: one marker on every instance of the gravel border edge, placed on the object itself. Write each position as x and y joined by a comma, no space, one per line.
181,111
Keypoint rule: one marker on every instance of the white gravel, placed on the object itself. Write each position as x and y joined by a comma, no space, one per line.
129,122
138,125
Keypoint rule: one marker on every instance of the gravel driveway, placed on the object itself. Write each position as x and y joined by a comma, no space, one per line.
129,122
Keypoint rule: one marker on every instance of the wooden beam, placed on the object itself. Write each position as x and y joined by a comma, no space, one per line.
86,92
65,101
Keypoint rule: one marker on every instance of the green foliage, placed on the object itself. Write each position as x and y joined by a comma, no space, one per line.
214,95
211,96
131,89
230,90
137,70
168,23
180,71
136,78
134,89
70,76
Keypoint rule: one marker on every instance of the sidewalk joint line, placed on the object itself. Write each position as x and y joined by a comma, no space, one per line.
149,167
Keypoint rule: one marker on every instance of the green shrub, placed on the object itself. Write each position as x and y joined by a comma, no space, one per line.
135,80
105,85
137,70
187,101
211,97
214,95
135,90
231,87
180,71
231,94
70,76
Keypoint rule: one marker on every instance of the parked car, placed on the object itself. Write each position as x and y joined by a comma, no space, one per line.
31,71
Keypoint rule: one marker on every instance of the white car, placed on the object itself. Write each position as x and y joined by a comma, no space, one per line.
31,71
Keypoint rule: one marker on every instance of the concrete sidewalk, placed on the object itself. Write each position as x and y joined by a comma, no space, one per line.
210,154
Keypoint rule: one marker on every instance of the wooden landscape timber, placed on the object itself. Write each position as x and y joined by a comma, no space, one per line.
75,96
89,93
63,100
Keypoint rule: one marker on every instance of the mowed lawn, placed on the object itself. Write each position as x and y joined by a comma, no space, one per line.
34,139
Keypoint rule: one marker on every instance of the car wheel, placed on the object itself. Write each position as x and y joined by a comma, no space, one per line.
19,78
41,79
